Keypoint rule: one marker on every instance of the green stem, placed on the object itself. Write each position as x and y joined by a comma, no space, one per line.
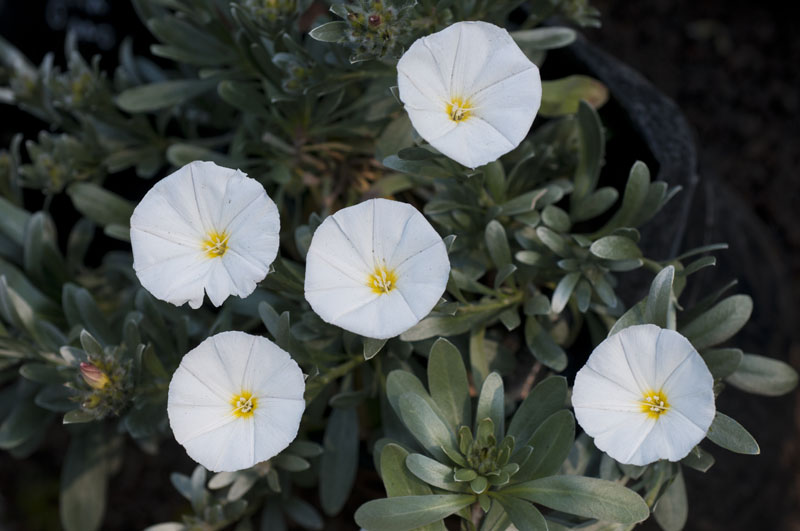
319,383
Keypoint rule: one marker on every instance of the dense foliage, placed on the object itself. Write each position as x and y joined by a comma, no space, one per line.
302,99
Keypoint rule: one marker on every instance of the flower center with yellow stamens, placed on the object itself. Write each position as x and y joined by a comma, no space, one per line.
459,109
382,280
654,403
244,404
215,244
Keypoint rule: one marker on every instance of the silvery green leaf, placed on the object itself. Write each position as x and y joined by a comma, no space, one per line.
729,434
339,462
722,362
552,443
491,404
672,509
543,347
544,38
330,32
426,425
659,308
523,514
763,376
161,95
615,248
449,387
404,513
434,473
583,496
547,397
719,323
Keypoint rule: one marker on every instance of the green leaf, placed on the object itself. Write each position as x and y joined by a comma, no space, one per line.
523,514
615,248
447,380
763,376
337,469
564,291
731,435
672,509
400,382
372,347
698,459
81,310
634,316
543,347
434,473
161,95
594,204
452,325
303,513
546,398
426,426
544,38
100,205
551,443
13,220
330,32
24,423
82,501
404,513
497,244
633,199
719,323
554,241
182,153
582,496
722,362
244,96
561,97
397,479
592,150
659,309
491,405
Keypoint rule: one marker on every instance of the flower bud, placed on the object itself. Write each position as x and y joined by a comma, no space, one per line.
93,376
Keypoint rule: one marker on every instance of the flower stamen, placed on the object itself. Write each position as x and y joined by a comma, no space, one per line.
244,404
215,244
654,403
382,280
459,109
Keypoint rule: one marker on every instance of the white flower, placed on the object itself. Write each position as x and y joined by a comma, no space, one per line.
645,394
235,400
376,268
469,91
204,227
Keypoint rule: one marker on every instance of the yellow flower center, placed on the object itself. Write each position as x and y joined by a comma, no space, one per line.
654,403
382,280
459,109
215,244
244,404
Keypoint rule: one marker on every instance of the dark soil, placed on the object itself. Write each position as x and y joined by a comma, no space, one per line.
733,67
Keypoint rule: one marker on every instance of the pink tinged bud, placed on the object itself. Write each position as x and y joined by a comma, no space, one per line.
93,376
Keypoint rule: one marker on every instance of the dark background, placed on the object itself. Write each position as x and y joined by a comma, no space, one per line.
733,67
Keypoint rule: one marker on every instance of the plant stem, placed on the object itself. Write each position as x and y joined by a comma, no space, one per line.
319,383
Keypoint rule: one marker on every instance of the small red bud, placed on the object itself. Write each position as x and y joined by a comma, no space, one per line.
374,20
93,376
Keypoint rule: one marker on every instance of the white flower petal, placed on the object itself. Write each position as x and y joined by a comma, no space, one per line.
608,359
172,225
205,387
613,393
479,65
349,247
